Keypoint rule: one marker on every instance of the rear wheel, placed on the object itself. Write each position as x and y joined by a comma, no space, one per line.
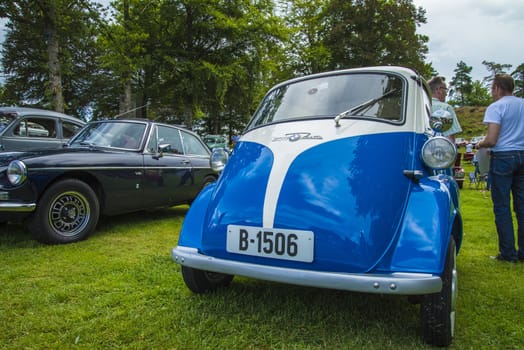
437,311
67,212
200,281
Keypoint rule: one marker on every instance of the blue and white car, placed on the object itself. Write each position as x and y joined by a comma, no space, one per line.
341,180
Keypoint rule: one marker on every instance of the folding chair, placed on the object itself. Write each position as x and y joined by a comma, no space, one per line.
484,160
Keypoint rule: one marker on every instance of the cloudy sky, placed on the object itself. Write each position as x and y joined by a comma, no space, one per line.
467,30
473,31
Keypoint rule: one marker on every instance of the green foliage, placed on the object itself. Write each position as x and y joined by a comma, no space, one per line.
479,95
32,26
378,32
120,289
181,57
494,68
518,75
461,84
470,119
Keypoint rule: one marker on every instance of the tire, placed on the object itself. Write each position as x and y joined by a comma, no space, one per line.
199,281
437,311
207,181
67,212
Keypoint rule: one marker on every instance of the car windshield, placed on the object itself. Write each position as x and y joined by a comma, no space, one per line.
370,95
6,119
127,135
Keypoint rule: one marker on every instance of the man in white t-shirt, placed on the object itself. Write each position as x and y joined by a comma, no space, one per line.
505,137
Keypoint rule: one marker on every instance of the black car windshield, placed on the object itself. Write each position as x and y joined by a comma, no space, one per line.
6,119
121,134
363,95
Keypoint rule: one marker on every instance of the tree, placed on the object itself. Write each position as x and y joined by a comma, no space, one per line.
43,51
518,75
306,52
479,95
461,84
202,59
40,53
494,68
375,32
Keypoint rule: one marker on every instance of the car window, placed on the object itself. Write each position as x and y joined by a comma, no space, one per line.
69,129
36,127
373,95
193,146
164,135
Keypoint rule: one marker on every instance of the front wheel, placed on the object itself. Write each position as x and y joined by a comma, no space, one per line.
199,281
68,211
437,311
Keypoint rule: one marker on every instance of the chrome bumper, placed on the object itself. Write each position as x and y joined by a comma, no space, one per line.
17,207
394,283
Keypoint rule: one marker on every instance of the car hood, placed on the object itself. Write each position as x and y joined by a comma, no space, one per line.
54,157
352,201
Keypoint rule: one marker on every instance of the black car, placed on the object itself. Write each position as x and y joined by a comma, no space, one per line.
110,167
25,129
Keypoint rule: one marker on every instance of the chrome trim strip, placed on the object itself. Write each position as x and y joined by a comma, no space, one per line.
111,168
394,283
17,207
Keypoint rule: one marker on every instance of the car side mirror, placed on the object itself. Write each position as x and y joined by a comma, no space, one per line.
161,149
441,121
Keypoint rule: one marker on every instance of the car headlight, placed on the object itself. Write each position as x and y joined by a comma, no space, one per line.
439,153
16,172
218,159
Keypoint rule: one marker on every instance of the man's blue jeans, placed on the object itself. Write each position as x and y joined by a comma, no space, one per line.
507,177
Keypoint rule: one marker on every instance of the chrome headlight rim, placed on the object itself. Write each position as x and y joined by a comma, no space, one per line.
218,160
439,153
16,172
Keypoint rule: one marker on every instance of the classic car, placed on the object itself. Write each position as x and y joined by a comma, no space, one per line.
25,129
340,180
110,167
215,141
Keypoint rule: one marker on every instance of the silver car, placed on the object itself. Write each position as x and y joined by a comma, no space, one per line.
27,129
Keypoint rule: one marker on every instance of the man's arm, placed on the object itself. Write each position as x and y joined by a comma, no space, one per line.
491,138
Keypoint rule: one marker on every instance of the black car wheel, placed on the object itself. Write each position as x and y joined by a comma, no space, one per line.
208,180
199,281
437,311
68,211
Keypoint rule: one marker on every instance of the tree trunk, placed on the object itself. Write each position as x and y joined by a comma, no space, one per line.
126,103
126,99
55,76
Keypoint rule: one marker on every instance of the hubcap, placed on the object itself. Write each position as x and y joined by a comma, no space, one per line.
69,213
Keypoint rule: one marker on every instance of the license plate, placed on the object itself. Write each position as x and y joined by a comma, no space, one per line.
274,243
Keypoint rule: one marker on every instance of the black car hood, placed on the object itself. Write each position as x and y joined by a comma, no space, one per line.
46,156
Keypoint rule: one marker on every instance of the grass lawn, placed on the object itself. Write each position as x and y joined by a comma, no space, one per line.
120,289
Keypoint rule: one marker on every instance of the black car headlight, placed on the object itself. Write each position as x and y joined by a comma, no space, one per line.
439,153
16,172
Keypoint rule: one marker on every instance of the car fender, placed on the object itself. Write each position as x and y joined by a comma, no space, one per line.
192,228
431,218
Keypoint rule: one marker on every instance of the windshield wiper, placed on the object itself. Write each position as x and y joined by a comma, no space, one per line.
89,144
362,106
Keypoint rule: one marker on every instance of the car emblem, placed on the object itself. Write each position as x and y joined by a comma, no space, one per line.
296,136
